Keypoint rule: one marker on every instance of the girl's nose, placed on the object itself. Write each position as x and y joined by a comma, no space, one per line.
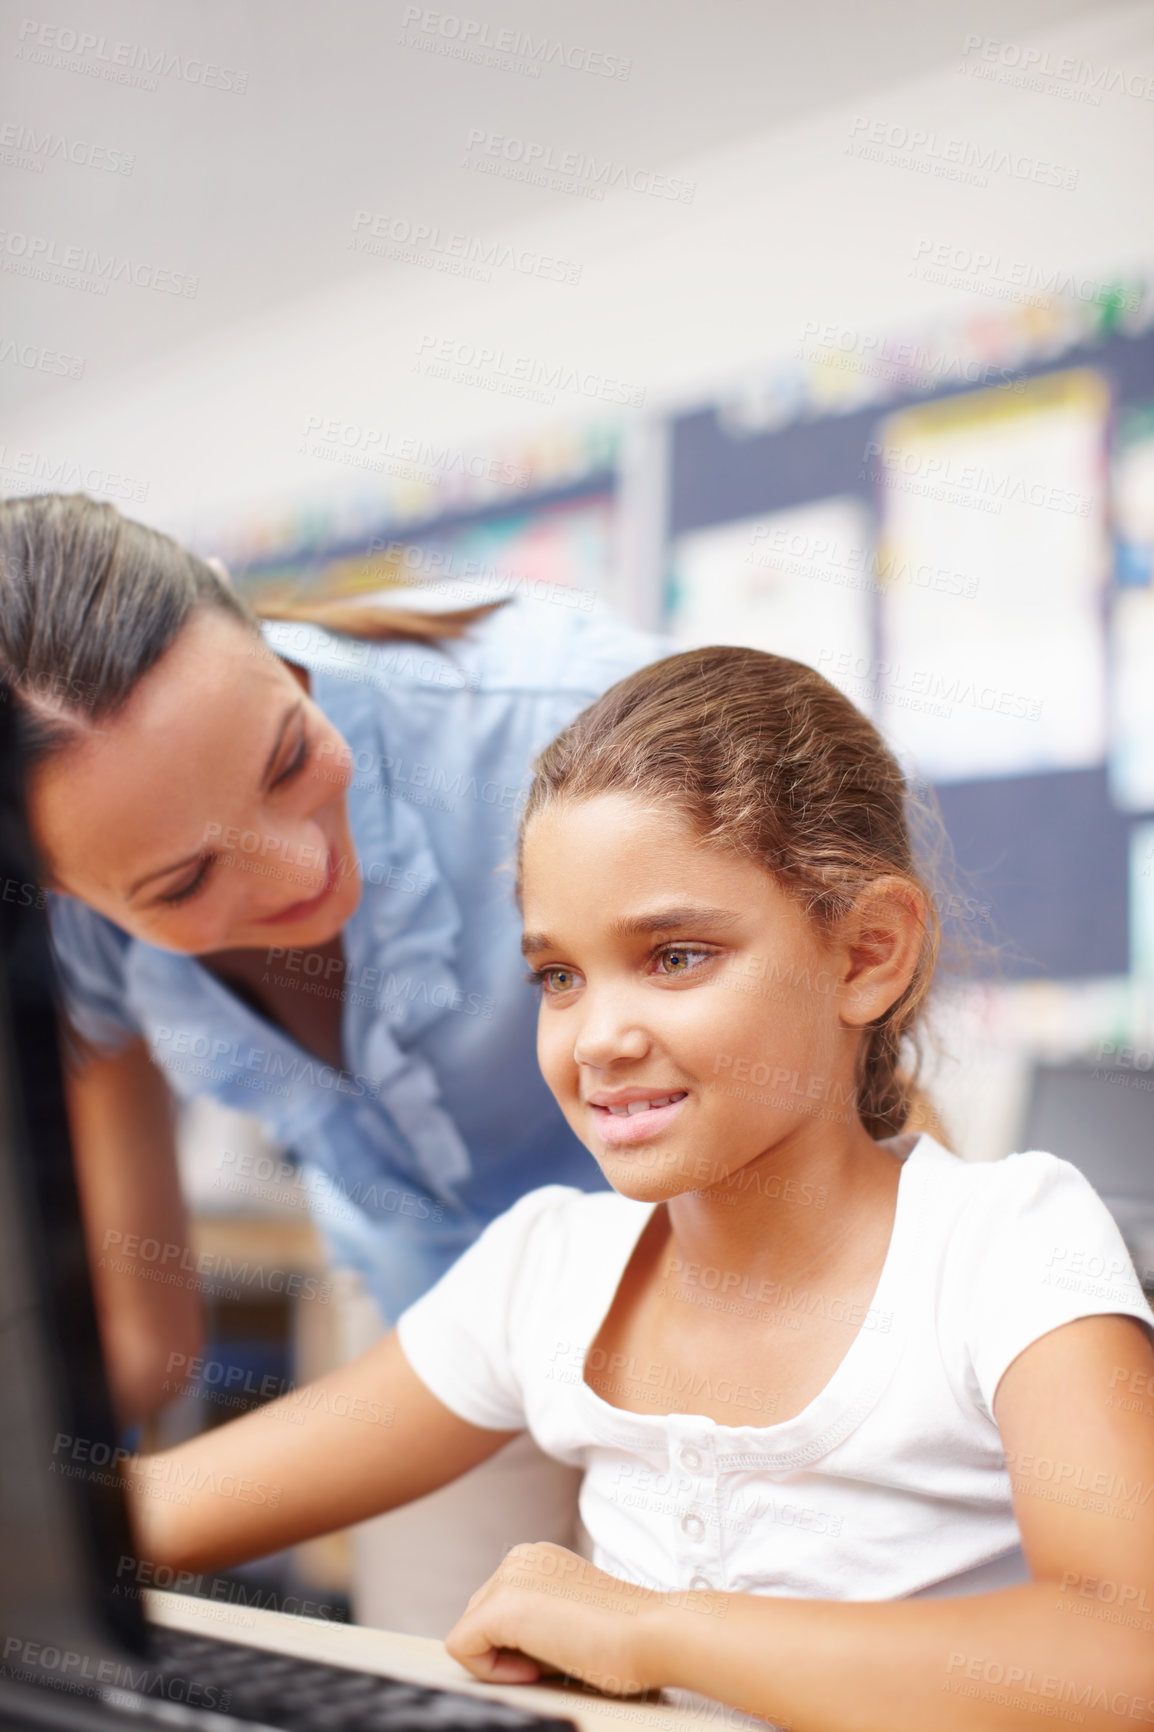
609,1035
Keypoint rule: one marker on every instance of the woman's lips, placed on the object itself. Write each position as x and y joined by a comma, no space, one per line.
302,910
637,1126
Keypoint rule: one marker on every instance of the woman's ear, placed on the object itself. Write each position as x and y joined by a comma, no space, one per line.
881,941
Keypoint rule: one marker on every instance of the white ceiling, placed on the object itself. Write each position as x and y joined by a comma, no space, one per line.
254,193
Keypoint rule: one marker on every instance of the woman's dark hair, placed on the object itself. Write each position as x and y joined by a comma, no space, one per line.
90,601
766,758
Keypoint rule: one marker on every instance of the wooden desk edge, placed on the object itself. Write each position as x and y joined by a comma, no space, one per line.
420,1660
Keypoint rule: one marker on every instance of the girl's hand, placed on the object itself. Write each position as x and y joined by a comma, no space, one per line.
546,1610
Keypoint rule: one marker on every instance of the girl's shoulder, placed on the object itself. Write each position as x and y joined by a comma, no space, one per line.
549,1251
562,1223
533,1274
1014,1248
983,1172
1030,1182
1015,1208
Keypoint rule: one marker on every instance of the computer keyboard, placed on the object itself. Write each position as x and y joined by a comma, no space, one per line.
280,1691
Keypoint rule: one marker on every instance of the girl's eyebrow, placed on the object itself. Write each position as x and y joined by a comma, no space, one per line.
639,925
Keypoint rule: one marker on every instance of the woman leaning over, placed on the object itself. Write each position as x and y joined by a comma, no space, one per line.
274,854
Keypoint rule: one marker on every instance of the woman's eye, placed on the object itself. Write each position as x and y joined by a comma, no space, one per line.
680,959
190,888
295,766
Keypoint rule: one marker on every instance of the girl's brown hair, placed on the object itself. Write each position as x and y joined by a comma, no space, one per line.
765,757
90,601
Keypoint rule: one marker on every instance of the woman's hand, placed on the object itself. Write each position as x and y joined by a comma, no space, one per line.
546,1610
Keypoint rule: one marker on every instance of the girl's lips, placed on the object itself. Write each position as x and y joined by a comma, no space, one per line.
636,1127
302,910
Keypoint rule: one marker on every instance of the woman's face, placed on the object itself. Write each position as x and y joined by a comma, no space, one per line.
211,813
685,984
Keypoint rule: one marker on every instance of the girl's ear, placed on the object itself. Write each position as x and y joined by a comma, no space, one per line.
881,941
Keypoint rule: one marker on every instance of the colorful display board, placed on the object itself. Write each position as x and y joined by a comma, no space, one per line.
992,656
800,583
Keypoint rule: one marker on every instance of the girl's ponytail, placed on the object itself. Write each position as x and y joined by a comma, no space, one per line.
884,1094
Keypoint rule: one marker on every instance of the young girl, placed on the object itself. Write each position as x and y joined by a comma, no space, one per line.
822,1383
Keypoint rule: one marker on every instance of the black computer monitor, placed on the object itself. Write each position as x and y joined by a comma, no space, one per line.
62,1511
64,1532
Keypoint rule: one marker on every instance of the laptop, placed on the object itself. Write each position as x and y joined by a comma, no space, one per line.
76,1649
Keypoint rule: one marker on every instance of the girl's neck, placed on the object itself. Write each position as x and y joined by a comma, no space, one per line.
801,1209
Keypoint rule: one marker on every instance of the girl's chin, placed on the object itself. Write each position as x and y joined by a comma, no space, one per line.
644,1175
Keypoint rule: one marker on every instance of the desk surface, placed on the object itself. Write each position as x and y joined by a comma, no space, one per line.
420,1660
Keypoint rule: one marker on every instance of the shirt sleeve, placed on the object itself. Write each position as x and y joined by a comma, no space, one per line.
1050,1252
90,955
459,1336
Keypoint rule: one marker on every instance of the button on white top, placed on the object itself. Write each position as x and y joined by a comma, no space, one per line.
691,1460
700,1582
693,1525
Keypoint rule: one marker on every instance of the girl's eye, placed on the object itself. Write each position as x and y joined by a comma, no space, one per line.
681,959
553,981
193,885
299,759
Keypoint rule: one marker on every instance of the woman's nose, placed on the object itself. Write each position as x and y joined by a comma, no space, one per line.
329,773
294,853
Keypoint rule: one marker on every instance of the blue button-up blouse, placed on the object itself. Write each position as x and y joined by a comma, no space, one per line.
439,1119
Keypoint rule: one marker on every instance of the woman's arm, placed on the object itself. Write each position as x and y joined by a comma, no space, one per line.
1075,1645
360,1441
121,1114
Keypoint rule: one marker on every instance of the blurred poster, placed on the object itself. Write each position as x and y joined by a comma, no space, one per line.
1132,622
1132,700
799,583
531,552
1142,902
1132,490
564,552
1005,676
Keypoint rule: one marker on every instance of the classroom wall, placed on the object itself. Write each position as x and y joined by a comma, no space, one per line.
826,232
791,230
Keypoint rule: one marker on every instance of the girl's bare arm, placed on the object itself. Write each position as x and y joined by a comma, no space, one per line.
1073,1647
360,1441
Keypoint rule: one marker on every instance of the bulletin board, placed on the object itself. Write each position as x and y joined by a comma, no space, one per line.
967,552
1003,672
983,589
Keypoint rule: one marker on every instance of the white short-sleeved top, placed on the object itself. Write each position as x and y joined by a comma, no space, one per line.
891,1482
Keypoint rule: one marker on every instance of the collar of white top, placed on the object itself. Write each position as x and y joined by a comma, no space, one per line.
851,1393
